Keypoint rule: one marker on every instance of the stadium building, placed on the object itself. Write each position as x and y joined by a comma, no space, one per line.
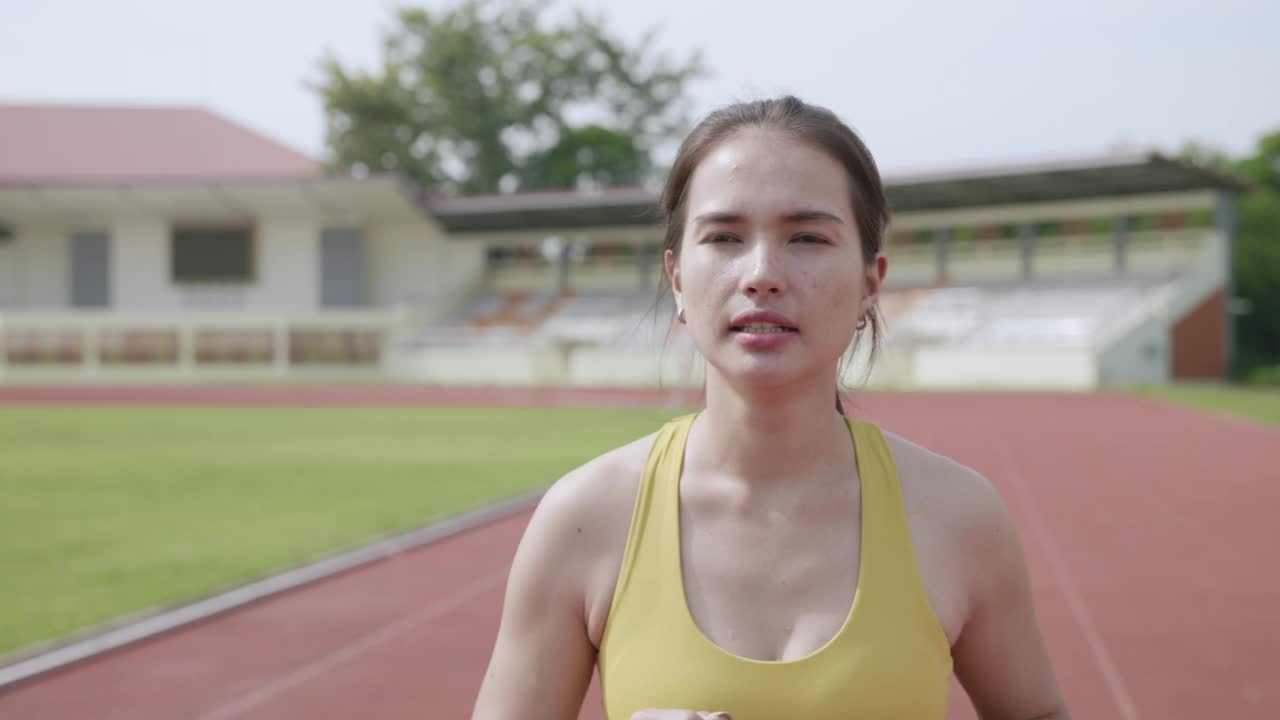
170,243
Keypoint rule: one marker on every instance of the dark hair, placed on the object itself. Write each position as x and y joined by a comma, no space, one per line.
807,123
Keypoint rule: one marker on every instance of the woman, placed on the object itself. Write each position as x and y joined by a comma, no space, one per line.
768,558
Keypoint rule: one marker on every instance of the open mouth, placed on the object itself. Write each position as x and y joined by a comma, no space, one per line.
763,328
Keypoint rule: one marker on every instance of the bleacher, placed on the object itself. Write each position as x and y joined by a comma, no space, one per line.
1035,316
1068,310
630,319
1022,316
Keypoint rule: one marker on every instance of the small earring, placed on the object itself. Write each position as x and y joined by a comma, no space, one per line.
680,314
862,323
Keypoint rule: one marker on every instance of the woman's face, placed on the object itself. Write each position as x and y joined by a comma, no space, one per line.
770,273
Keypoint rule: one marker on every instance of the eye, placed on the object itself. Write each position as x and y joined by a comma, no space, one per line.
810,238
720,238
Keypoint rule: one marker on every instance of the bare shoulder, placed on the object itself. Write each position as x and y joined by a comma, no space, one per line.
581,526
550,605
593,497
966,544
976,576
946,493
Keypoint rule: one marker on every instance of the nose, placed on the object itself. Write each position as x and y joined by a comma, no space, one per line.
765,273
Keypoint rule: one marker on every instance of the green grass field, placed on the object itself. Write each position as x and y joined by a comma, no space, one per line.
1256,403
112,510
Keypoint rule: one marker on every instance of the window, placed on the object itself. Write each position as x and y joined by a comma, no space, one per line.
212,254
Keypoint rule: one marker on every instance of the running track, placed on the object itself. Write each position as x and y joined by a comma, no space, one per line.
1149,531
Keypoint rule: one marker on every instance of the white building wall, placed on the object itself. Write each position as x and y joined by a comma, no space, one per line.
1141,356
140,266
10,275
406,263
398,258
35,267
286,270
959,367
412,263
614,368
498,366
462,266
288,266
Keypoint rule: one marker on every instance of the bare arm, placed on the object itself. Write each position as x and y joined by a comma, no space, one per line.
1000,656
543,658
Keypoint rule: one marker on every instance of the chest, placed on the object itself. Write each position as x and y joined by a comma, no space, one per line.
774,604
779,584
771,583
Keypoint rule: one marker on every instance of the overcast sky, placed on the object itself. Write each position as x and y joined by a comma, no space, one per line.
929,85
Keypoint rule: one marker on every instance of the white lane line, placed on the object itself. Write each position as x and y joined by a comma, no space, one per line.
1075,601
354,649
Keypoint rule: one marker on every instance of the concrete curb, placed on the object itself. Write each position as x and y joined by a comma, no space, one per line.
112,638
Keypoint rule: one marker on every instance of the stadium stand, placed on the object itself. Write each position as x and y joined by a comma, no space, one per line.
1067,274
1025,315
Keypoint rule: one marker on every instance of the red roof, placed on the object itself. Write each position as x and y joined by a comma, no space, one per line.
77,144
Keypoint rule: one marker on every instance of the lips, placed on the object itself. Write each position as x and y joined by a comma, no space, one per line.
762,322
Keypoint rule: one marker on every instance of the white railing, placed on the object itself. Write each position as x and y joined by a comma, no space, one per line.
1052,257
1083,255
195,343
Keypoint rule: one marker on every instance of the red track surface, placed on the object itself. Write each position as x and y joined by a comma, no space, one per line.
1149,530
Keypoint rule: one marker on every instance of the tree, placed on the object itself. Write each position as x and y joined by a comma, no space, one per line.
1206,155
592,155
1256,253
489,96
1257,261
1263,167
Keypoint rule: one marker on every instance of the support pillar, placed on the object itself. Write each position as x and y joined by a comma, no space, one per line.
1120,242
1027,233
562,266
941,249
1225,220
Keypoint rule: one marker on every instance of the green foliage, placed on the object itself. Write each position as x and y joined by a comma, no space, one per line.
1265,375
1256,261
1200,219
489,96
591,155
1143,223
1206,155
1100,226
1257,278
1048,229
1263,167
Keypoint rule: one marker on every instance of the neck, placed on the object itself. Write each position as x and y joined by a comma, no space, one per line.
762,436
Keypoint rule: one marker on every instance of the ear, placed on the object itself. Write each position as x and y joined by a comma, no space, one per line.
673,275
873,280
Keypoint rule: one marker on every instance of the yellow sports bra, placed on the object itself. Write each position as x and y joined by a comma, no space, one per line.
890,659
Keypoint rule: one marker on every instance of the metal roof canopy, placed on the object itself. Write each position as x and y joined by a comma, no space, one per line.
1003,185
390,195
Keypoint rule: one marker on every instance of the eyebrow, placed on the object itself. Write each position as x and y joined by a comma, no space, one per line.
791,217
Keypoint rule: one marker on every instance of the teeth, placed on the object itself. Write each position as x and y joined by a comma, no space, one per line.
764,328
